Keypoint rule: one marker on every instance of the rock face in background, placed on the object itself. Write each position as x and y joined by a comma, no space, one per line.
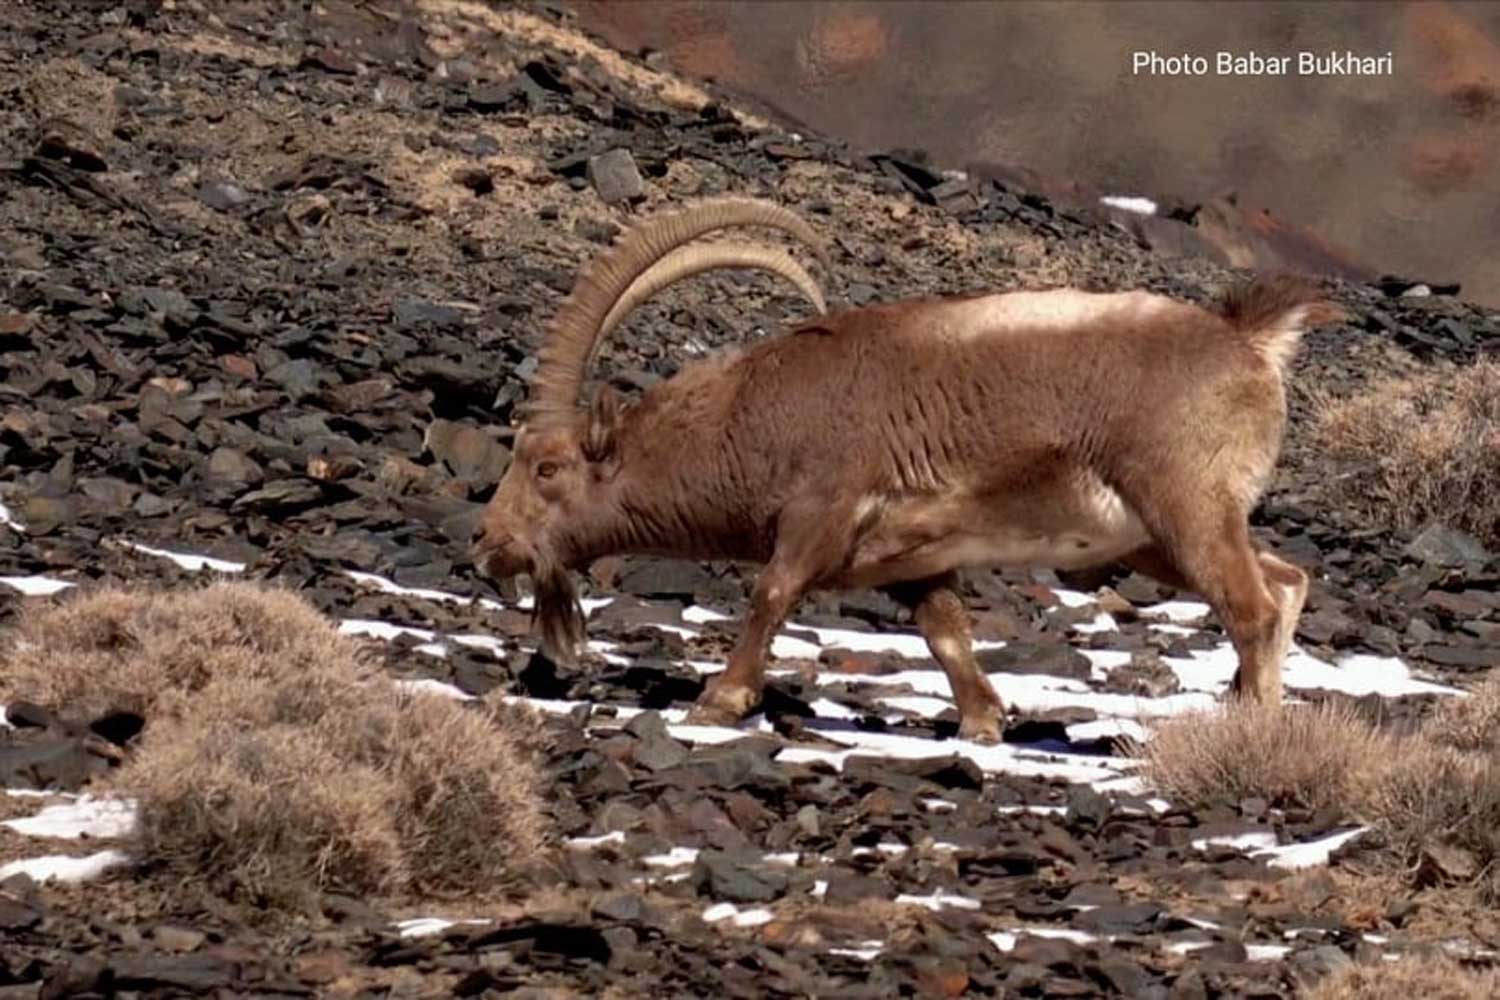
1402,172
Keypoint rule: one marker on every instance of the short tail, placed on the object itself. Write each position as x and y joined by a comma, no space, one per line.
1273,312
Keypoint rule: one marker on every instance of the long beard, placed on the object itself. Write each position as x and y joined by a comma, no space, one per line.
558,614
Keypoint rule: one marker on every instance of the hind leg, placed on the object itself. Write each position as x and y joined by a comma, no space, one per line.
1213,556
943,621
1288,585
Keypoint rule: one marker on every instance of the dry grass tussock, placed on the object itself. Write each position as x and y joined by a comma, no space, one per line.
124,649
1434,977
1309,756
1417,449
1438,811
1437,803
278,762
1472,723
1432,798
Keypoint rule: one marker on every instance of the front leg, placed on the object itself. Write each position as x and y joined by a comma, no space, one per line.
733,694
812,538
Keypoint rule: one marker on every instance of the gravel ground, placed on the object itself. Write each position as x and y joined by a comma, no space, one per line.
270,277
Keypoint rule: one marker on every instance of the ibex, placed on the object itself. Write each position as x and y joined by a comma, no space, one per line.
893,445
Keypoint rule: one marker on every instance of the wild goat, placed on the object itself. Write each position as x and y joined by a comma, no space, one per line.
892,445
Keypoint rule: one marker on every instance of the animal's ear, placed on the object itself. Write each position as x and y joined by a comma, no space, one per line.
604,418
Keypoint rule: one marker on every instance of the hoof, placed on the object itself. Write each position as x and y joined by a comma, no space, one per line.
722,706
985,729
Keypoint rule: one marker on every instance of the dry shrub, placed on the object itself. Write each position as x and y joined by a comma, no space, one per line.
266,816
1418,449
277,761
121,649
1295,755
470,792
1471,723
446,800
1435,977
1438,810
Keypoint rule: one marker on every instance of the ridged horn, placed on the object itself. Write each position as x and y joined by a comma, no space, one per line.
684,262
574,329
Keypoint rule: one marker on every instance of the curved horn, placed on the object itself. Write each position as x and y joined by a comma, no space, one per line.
574,329
684,262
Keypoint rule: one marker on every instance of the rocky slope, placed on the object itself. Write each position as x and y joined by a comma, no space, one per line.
271,286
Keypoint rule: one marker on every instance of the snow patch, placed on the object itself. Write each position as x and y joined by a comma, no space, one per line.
696,615
1263,846
427,926
588,843
939,899
84,817
1103,622
1358,674
1071,598
889,848
1102,729
387,586
710,735
676,857
924,706
383,630
1033,810
9,520
824,708
905,644
740,918
1130,203
1025,693
35,586
1313,852
1180,612
866,951
1006,940
188,561
1255,840
1001,758
427,685
62,868
1168,629
1183,947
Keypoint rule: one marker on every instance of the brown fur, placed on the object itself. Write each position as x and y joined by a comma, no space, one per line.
892,445
1256,305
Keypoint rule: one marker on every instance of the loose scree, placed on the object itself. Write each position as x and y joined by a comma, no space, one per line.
893,445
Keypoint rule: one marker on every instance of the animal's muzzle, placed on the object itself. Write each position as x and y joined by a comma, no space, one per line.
496,555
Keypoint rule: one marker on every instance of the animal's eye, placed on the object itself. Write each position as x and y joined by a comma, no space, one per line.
546,470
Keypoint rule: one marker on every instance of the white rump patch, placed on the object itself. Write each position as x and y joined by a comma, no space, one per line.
1054,309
